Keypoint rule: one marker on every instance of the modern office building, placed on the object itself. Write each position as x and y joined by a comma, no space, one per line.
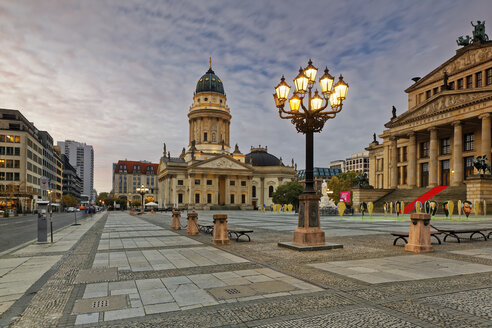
21,162
72,183
81,157
358,162
320,174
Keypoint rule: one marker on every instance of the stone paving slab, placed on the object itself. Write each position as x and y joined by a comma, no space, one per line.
165,259
401,268
142,242
159,295
485,253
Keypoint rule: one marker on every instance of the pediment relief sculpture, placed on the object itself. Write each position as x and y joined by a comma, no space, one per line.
222,163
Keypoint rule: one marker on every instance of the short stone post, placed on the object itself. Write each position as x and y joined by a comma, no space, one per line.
175,225
192,224
419,234
220,236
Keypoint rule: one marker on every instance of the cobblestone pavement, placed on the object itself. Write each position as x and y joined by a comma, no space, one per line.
139,273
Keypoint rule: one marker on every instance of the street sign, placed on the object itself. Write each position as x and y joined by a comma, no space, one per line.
44,183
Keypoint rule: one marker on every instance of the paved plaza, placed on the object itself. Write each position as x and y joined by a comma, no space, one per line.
118,270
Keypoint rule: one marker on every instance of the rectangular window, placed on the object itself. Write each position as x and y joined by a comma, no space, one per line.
445,146
205,135
427,94
243,199
451,85
232,198
469,141
197,181
478,79
2,138
209,198
488,76
10,163
17,139
460,84
197,198
10,176
180,198
209,182
180,182
16,176
232,183
243,183
404,175
10,150
469,81
435,90
404,154
17,151
424,149
10,138
469,169
2,150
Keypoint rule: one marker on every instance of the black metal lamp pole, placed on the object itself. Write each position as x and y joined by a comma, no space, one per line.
142,190
310,119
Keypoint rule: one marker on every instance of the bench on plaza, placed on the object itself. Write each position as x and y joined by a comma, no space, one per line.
206,228
239,232
471,230
404,235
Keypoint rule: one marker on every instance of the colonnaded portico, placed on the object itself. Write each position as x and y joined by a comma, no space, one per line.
447,124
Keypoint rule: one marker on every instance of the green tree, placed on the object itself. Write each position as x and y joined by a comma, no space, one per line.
69,200
342,182
288,193
102,196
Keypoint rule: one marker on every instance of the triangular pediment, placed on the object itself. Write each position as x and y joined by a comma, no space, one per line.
465,58
442,103
221,162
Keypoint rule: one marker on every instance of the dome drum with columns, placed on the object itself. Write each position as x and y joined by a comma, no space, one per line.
207,175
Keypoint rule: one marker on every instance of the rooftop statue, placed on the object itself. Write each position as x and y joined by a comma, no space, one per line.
393,111
478,35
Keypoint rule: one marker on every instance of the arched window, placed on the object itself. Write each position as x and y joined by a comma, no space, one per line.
270,191
254,191
205,136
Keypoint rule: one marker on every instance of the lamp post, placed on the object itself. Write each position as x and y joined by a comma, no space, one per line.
142,190
311,118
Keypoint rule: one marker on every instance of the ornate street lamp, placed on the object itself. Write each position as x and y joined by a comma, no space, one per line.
309,118
142,190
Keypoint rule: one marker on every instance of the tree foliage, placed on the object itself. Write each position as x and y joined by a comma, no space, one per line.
288,193
342,182
69,200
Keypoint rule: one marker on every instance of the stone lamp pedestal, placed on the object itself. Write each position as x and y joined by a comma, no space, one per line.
220,236
192,224
308,232
175,225
419,234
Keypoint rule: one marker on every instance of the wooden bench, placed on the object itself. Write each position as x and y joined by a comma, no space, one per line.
239,233
455,232
404,235
207,228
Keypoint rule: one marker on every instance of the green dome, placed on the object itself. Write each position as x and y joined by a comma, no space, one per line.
210,82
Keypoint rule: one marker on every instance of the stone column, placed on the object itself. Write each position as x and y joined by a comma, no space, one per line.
394,163
433,151
220,235
262,191
386,170
457,177
227,200
191,179
412,160
485,148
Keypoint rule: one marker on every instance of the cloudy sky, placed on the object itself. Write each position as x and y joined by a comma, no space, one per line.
120,75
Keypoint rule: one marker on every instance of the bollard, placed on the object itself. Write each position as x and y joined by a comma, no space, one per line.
175,225
42,221
419,234
220,236
192,224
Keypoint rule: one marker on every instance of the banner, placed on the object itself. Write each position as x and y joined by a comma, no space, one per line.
345,196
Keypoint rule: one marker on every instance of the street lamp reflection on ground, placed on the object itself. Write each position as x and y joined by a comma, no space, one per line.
142,190
309,118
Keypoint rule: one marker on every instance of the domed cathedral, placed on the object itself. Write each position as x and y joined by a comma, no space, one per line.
206,175
209,117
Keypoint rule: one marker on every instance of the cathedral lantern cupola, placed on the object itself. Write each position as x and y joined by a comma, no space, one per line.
209,116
